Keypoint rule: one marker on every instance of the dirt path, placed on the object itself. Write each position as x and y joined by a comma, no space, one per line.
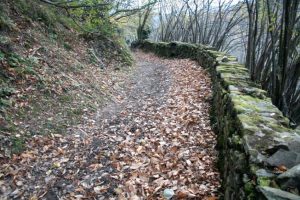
155,137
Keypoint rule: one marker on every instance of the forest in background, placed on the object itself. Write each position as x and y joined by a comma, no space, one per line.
263,34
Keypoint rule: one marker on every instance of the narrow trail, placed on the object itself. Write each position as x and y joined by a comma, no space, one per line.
156,136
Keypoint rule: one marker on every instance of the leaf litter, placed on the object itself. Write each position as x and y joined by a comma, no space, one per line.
155,137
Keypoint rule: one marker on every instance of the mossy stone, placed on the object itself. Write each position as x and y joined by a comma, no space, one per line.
263,181
249,188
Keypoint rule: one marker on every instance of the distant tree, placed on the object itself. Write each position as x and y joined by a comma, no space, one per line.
200,22
143,31
99,15
273,51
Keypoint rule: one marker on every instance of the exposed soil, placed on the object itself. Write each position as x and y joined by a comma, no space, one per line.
156,135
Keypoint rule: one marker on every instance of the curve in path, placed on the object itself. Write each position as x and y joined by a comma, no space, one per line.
156,137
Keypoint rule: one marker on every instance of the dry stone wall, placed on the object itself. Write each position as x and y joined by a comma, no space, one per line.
259,155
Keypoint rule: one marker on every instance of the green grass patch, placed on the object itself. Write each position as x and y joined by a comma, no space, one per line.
2,56
49,15
6,91
18,144
23,66
5,22
66,98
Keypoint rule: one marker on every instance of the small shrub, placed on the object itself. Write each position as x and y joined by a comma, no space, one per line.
5,22
5,45
14,60
23,66
6,91
34,11
67,46
18,145
2,56
124,53
92,57
53,37
5,103
67,22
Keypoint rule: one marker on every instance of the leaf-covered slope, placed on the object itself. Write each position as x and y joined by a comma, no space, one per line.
51,74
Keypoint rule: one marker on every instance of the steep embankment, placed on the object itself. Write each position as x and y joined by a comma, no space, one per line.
51,77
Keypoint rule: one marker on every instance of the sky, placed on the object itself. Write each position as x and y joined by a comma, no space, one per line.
141,2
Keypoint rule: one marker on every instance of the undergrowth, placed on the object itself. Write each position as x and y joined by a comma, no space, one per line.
50,81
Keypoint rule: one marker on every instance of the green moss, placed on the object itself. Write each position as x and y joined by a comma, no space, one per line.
236,140
235,65
240,82
263,181
173,49
252,196
257,122
233,76
255,92
233,69
162,49
253,168
249,104
245,104
217,53
249,188
182,50
232,58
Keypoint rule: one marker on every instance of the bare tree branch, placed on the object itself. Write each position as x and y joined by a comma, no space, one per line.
61,4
